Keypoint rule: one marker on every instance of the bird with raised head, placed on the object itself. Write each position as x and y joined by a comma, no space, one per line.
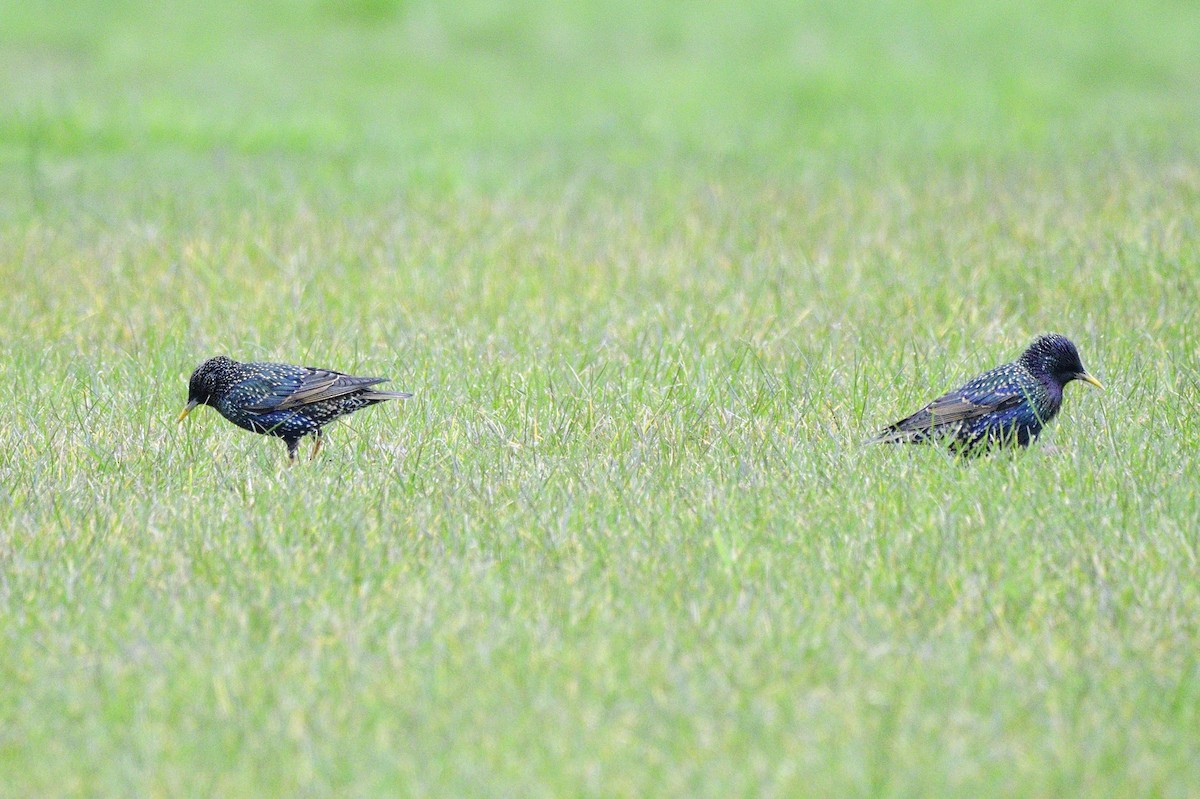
281,400
1005,406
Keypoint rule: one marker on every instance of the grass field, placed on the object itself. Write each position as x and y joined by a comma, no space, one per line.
654,274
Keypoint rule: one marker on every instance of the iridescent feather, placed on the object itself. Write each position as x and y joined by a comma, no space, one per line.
1008,405
282,400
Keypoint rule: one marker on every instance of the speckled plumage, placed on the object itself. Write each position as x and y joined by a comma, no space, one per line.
1008,405
279,399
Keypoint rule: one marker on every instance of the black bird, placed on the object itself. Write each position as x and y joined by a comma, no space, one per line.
1003,406
279,399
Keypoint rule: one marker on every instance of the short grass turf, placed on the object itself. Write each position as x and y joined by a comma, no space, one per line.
655,273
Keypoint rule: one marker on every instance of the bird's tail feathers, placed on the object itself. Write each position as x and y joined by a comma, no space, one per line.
380,396
897,434
890,437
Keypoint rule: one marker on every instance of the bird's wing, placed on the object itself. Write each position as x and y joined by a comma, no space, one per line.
957,408
952,408
312,385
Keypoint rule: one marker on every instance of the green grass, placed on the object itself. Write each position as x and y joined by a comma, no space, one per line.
654,274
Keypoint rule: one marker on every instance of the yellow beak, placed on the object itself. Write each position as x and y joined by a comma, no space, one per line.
1085,377
187,409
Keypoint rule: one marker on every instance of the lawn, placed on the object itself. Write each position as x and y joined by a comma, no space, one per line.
654,274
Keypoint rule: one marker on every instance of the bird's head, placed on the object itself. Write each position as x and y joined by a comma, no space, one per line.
205,382
1055,355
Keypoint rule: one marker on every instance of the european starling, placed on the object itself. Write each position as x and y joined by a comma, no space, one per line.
1003,406
279,399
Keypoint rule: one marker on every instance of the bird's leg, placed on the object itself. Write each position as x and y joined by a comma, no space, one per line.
292,445
318,438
